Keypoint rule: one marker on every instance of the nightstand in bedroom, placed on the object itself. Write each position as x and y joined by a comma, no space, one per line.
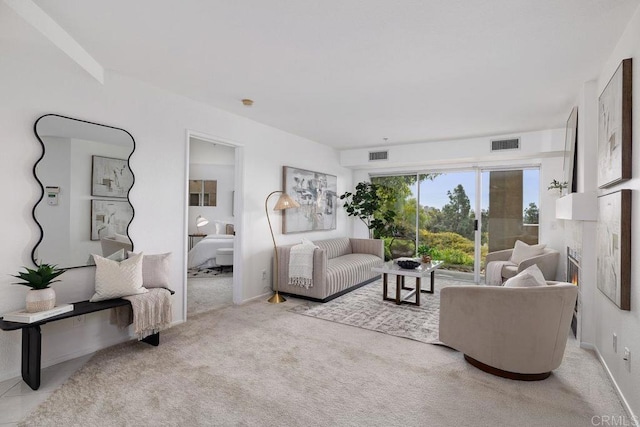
195,238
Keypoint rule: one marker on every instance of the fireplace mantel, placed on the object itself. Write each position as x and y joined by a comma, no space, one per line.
577,207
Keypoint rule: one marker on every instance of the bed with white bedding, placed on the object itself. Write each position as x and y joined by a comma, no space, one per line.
203,253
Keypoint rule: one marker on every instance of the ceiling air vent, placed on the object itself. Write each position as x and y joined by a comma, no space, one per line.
505,144
378,155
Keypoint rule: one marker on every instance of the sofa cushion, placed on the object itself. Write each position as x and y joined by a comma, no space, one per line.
335,247
350,269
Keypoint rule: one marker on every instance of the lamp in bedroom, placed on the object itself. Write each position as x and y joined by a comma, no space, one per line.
201,222
284,202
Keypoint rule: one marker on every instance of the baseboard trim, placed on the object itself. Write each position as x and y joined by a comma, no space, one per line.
625,404
264,296
587,346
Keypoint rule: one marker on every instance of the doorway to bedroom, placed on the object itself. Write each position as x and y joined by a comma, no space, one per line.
211,225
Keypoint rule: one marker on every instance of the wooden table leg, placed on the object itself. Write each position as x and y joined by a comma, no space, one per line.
417,291
31,356
384,286
398,288
433,280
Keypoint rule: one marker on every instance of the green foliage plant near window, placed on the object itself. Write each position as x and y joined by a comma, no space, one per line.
370,203
455,250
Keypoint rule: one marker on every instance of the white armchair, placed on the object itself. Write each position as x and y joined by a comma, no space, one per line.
547,262
517,333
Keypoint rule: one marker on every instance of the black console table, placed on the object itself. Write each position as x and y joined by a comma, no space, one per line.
32,337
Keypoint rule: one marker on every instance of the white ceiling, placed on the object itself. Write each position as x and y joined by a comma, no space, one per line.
349,73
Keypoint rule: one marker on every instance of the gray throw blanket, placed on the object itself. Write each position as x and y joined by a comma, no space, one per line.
493,272
149,312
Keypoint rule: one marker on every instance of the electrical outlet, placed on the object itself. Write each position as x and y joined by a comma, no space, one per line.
615,342
264,274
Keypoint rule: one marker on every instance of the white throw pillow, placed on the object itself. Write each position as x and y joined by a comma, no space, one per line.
118,279
155,270
219,226
530,277
522,251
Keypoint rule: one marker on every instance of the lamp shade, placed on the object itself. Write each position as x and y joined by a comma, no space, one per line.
285,202
200,221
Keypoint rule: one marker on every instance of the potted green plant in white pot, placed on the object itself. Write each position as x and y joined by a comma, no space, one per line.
40,297
557,186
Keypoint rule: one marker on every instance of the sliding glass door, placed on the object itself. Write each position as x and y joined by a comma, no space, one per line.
447,201
460,216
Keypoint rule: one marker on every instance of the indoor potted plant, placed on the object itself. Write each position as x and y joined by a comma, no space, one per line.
424,252
368,203
40,297
558,186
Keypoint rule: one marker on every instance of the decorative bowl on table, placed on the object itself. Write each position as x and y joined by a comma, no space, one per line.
408,264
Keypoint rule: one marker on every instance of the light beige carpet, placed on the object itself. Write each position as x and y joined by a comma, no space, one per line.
261,365
209,293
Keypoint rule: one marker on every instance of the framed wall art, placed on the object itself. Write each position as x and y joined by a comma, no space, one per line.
317,193
109,217
110,177
614,247
614,128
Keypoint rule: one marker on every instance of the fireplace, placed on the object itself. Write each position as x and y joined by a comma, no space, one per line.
573,276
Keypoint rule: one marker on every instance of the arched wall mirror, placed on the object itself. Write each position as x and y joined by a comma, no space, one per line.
85,177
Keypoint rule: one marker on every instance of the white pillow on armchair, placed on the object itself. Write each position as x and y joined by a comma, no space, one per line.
522,251
530,277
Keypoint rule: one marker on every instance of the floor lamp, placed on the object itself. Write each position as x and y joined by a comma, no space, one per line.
284,202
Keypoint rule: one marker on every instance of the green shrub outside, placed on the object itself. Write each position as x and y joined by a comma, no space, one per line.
452,248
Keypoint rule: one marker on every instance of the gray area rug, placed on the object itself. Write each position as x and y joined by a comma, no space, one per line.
260,365
365,308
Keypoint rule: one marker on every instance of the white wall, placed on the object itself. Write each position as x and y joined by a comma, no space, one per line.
35,79
607,317
541,148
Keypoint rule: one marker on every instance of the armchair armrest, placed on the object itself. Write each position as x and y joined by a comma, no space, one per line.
504,255
368,246
547,262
